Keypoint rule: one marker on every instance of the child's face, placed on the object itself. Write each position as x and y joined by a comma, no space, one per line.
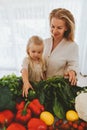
35,51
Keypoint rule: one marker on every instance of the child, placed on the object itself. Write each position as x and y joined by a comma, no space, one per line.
33,66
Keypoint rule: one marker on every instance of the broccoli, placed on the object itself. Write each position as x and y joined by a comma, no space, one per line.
6,99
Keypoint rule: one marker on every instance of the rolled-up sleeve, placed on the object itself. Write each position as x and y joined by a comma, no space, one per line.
25,63
73,58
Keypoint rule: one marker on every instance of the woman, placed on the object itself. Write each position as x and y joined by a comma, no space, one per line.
61,52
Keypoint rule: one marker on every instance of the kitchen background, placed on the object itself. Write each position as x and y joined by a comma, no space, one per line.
19,19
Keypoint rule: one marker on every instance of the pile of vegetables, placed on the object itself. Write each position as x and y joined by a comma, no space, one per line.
56,94
53,96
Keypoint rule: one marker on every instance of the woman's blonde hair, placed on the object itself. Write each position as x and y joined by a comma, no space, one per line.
66,16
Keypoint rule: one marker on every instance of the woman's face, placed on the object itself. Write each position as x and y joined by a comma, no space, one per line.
35,51
57,28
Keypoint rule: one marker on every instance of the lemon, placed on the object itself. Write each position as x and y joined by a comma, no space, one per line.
72,115
47,117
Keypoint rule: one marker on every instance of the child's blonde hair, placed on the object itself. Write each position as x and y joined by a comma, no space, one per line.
35,40
66,16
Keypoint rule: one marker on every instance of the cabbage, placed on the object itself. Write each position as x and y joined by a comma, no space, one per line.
81,106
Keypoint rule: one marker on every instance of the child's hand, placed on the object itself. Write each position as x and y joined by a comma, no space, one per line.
26,87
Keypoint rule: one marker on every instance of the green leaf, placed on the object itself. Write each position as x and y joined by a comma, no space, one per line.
58,109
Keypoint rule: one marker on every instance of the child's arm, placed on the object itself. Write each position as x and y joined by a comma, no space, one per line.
26,83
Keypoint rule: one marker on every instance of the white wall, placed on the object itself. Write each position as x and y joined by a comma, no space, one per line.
19,19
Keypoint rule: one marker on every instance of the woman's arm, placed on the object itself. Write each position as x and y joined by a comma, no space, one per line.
72,77
73,64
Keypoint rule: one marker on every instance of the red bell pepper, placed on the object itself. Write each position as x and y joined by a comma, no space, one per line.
6,117
2,118
20,105
16,126
37,103
23,115
36,107
36,124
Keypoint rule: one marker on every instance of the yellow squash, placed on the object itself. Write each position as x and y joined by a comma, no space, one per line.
47,117
72,115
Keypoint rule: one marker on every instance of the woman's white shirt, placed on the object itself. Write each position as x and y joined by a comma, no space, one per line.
62,58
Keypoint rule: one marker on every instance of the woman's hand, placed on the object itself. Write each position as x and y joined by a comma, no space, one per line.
26,87
72,77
